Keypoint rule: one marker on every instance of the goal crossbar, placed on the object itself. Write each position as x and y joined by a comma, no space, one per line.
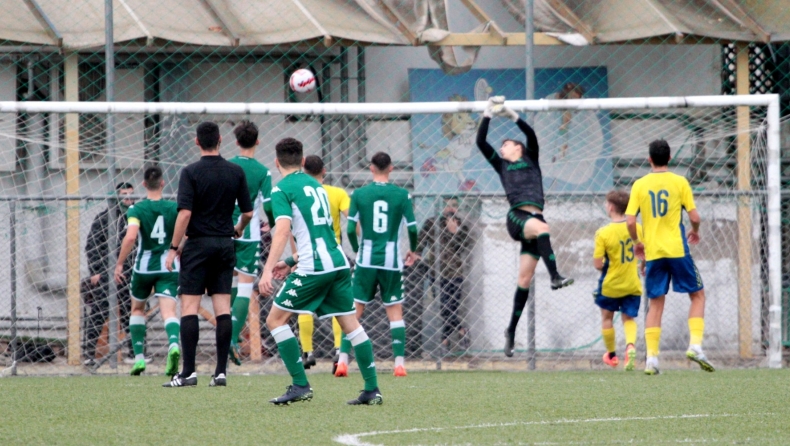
330,108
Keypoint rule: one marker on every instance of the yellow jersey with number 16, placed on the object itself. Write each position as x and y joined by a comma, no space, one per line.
660,198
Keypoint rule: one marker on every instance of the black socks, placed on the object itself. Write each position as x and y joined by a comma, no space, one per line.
190,332
224,333
547,254
520,299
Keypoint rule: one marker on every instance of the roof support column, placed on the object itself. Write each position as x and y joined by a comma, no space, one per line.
744,207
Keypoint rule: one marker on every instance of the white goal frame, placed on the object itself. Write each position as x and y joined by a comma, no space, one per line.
770,101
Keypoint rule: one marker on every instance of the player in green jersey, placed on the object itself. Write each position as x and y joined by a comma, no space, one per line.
259,182
151,224
381,209
321,283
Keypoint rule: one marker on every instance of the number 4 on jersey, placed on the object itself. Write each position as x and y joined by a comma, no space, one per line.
159,233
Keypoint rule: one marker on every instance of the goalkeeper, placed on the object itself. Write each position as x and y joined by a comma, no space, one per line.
151,221
519,171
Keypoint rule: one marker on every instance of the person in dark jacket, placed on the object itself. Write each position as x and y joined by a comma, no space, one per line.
454,248
96,250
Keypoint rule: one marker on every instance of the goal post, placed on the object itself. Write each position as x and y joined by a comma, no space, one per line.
730,145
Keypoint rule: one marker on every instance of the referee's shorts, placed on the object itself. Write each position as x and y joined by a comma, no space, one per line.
207,266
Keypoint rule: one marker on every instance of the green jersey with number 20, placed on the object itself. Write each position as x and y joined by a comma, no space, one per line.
156,220
301,199
382,210
259,182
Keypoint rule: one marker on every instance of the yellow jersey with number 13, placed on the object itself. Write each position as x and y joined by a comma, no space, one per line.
619,277
661,197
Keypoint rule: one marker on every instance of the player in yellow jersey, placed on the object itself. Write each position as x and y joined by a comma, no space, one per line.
660,197
339,201
619,288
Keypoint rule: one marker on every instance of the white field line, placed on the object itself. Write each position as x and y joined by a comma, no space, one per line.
356,439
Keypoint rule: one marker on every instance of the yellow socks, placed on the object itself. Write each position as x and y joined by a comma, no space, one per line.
696,330
608,339
338,333
652,340
629,327
306,328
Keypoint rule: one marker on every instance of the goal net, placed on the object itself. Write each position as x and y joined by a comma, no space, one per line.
60,164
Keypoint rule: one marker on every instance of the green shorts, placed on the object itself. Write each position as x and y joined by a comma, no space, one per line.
158,284
390,283
326,295
247,256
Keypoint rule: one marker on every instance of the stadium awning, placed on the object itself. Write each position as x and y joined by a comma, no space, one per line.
80,23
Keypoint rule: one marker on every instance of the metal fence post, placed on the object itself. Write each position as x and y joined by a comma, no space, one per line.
14,337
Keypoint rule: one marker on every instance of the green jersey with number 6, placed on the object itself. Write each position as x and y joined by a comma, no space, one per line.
382,210
301,199
259,182
156,220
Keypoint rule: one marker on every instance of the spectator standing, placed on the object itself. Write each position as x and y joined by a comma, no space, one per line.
450,267
96,250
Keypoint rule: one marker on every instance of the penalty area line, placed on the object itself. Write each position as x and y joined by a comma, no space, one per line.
357,439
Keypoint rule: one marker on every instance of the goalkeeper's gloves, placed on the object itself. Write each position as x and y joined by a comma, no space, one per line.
494,106
506,112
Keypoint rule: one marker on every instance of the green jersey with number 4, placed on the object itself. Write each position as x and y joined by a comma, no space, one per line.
259,182
156,220
382,210
301,199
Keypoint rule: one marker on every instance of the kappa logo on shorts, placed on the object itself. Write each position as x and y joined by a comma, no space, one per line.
297,282
291,293
167,292
393,298
244,269
287,303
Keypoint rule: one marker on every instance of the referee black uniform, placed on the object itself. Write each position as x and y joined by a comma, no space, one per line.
209,189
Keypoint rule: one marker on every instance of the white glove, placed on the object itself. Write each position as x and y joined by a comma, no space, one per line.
508,113
489,111
496,102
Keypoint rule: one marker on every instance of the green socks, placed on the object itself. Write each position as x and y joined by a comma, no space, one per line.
363,350
239,310
292,356
173,329
398,332
137,332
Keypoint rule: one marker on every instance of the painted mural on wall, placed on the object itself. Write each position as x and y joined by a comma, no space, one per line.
574,145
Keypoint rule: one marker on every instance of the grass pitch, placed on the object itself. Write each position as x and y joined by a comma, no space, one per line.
732,407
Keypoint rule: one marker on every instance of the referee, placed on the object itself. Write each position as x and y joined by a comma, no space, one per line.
207,194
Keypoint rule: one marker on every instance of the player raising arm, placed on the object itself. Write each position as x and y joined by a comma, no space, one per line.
519,171
151,222
660,198
619,288
321,283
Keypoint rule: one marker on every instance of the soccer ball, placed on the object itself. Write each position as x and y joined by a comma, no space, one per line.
302,81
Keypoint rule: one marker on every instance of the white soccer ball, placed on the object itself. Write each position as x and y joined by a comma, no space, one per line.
302,81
